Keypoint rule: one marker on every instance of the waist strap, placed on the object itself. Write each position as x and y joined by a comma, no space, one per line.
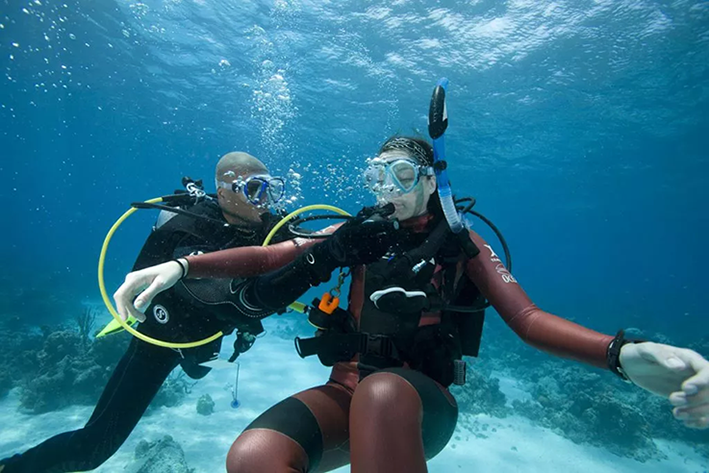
347,345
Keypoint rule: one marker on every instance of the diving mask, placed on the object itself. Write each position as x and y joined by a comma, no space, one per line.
394,178
259,189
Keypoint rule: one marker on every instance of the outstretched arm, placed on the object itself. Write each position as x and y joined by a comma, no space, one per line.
248,261
536,327
680,374
235,262
355,242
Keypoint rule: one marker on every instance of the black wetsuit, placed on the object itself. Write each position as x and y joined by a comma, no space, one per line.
175,315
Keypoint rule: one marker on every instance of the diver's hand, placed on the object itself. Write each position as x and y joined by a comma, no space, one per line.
146,284
680,374
361,241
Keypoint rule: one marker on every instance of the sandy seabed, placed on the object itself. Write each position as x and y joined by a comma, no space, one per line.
271,371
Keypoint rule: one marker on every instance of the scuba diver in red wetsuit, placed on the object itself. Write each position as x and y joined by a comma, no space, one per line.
415,308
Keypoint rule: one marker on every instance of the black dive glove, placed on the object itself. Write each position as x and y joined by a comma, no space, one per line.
361,240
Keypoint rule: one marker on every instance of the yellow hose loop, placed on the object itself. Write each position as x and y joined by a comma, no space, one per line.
112,310
297,306
295,213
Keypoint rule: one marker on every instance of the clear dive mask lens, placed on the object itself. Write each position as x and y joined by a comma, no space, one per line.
393,178
259,190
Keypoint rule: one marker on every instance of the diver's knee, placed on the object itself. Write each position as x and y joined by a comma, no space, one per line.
242,451
385,395
259,450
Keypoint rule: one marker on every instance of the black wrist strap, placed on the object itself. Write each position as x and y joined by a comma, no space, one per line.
613,354
182,266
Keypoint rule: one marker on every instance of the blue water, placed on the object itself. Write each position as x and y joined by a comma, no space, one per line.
580,126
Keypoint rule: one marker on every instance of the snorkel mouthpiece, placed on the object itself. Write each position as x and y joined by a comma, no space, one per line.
377,213
387,210
437,124
437,112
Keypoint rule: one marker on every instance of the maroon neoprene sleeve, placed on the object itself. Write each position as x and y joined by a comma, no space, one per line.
536,327
250,261
247,261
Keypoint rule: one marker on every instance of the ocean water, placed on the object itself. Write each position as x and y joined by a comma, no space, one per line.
580,127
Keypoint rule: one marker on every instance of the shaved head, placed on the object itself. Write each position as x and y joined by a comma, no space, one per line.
237,163
235,208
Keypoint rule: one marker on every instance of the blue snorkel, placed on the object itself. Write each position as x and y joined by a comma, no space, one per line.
437,124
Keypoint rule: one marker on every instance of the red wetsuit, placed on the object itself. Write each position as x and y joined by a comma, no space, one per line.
394,419
536,327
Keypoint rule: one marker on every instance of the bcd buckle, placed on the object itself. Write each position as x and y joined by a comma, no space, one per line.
379,345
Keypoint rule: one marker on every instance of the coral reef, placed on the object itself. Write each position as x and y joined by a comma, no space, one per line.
55,367
584,404
162,456
69,369
584,408
85,322
14,365
205,405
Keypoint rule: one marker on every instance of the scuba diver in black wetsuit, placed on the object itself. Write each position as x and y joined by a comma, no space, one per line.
237,216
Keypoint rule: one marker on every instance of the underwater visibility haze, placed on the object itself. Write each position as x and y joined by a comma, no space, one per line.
580,126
